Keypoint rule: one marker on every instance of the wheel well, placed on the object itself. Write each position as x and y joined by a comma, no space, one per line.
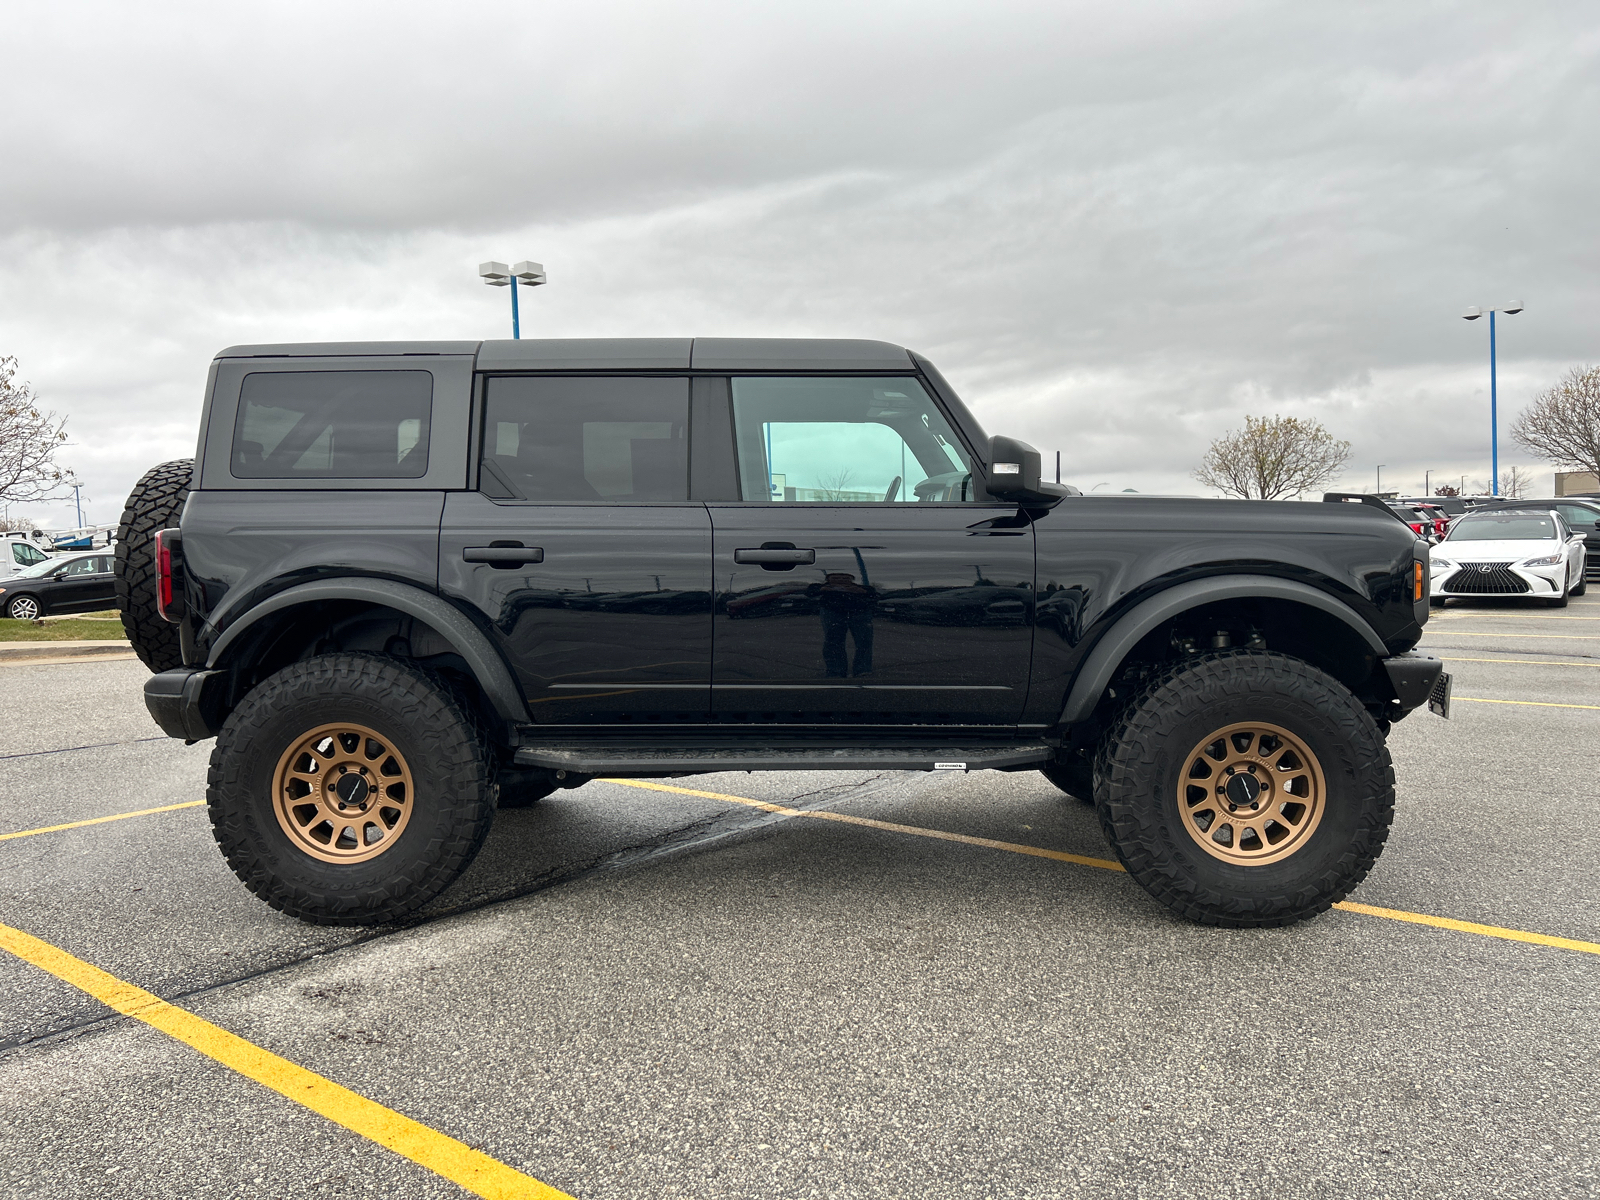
328,626
1252,623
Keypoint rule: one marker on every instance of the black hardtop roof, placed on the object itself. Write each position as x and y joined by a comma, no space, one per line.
610,354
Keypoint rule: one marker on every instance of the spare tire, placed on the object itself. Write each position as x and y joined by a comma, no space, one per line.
155,503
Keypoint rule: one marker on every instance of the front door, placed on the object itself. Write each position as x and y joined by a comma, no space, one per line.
859,580
583,551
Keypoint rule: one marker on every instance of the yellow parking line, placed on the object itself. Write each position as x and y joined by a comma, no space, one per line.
1559,637
443,1155
1532,703
889,826
1527,662
143,812
1495,931
1393,914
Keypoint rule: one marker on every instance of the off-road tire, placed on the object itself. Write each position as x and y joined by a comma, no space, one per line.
453,774
155,503
1074,775
1138,769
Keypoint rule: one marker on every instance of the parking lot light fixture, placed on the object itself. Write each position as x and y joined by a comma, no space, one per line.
1472,314
497,274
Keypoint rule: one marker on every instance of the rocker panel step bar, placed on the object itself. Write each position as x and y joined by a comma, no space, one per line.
602,759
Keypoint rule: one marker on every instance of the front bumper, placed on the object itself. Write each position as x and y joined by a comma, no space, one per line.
187,703
1418,679
1507,579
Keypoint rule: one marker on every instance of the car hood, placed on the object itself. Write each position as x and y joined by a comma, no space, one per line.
1495,551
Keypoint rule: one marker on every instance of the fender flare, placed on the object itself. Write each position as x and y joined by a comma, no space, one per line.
1095,675
487,666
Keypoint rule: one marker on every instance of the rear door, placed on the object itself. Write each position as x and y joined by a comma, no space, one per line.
582,551
860,579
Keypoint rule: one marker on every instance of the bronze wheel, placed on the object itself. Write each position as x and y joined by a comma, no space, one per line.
1251,793
343,793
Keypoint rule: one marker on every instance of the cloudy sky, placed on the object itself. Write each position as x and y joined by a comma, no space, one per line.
1118,228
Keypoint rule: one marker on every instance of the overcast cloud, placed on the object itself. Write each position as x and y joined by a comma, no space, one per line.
1118,228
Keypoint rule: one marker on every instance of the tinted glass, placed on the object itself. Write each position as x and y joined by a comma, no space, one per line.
587,440
1510,527
837,440
1577,515
333,425
26,554
81,566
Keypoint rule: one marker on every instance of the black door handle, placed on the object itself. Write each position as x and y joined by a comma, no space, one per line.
774,557
503,555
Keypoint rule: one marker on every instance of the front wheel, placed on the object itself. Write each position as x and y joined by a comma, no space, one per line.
23,608
350,789
1246,789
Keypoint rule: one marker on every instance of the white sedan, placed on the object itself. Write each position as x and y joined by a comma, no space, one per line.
1508,553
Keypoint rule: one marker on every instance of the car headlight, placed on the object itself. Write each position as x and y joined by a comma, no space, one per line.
1549,560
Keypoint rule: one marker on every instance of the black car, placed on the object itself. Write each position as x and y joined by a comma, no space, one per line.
406,583
1582,514
67,584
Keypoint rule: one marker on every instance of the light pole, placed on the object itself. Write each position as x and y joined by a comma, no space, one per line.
1379,492
78,500
1472,314
497,274
1427,483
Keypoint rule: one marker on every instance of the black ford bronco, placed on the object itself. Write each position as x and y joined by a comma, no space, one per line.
406,583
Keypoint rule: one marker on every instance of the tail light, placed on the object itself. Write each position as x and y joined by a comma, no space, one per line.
169,575
1417,529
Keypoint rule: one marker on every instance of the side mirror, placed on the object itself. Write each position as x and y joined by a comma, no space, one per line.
1014,468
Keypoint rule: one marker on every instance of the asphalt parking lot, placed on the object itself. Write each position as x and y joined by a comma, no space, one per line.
646,992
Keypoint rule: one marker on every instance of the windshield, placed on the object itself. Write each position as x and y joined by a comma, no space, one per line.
38,569
1507,527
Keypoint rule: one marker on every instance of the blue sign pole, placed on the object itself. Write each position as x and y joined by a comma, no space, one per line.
516,321
1494,417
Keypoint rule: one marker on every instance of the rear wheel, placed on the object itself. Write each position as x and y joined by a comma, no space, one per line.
350,789
155,503
1246,789
23,608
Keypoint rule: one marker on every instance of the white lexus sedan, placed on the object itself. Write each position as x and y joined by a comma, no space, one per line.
1508,553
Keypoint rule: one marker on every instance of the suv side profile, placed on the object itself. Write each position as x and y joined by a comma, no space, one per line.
405,583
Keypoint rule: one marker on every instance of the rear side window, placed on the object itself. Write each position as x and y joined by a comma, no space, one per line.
333,425
587,440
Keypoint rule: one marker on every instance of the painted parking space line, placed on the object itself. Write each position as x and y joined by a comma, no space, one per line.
1558,637
822,814
1392,914
427,1147
1526,662
1529,703
142,812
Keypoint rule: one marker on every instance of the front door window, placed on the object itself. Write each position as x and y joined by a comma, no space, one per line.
841,441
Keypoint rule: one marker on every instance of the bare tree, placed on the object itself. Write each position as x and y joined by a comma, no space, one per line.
1514,484
834,485
29,441
1447,489
1562,425
1273,458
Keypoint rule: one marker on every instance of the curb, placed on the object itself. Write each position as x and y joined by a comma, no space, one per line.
14,652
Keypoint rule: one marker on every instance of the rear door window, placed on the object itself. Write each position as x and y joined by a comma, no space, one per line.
587,440
333,425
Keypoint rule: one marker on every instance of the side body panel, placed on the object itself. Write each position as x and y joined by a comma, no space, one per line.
1099,556
612,625
241,547
908,615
